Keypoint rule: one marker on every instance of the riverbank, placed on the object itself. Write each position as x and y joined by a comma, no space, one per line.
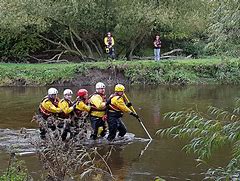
185,71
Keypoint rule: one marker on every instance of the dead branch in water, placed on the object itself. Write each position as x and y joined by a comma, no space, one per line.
70,158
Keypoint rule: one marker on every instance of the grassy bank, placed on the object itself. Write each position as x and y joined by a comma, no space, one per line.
187,71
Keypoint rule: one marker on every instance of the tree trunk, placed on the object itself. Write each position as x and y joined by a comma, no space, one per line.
130,50
90,54
96,47
99,47
134,44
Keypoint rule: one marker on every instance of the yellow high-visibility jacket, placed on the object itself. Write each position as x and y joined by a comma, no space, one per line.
81,106
99,106
47,107
118,104
65,106
107,43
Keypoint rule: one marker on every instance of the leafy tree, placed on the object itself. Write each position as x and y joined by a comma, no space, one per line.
224,28
183,24
78,27
18,35
134,21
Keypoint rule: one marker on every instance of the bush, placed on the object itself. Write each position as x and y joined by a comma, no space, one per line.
17,47
15,172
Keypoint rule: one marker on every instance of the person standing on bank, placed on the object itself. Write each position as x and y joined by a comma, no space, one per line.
116,106
157,48
98,110
109,43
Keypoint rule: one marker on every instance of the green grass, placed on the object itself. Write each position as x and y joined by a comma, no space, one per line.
181,71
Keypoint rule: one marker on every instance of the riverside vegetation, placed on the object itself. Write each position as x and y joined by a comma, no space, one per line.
33,31
185,71
208,133
48,29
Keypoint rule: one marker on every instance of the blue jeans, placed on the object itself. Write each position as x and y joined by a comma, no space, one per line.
157,53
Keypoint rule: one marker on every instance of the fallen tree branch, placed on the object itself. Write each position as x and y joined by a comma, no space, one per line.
152,58
57,55
67,49
162,57
51,60
54,61
172,51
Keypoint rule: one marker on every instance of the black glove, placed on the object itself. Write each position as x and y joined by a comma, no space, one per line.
129,104
134,115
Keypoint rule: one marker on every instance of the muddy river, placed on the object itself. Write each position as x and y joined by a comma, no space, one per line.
136,161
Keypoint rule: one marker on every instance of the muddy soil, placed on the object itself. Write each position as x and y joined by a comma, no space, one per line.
109,76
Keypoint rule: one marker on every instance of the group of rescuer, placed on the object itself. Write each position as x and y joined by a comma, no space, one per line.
103,112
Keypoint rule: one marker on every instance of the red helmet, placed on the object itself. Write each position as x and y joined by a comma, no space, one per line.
82,92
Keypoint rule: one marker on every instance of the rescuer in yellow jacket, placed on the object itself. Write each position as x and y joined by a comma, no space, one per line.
81,102
49,104
49,107
66,104
116,106
109,43
98,110
67,107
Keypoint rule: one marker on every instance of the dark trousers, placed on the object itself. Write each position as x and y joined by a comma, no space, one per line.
97,122
115,124
111,52
69,127
43,131
43,124
66,130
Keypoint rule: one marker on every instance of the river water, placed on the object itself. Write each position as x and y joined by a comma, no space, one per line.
162,157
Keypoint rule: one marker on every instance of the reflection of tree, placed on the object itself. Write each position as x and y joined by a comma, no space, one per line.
116,161
170,98
156,115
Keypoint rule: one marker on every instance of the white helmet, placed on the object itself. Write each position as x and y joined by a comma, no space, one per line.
100,85
67,91
52,91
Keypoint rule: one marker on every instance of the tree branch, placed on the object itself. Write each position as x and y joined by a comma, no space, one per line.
74,44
